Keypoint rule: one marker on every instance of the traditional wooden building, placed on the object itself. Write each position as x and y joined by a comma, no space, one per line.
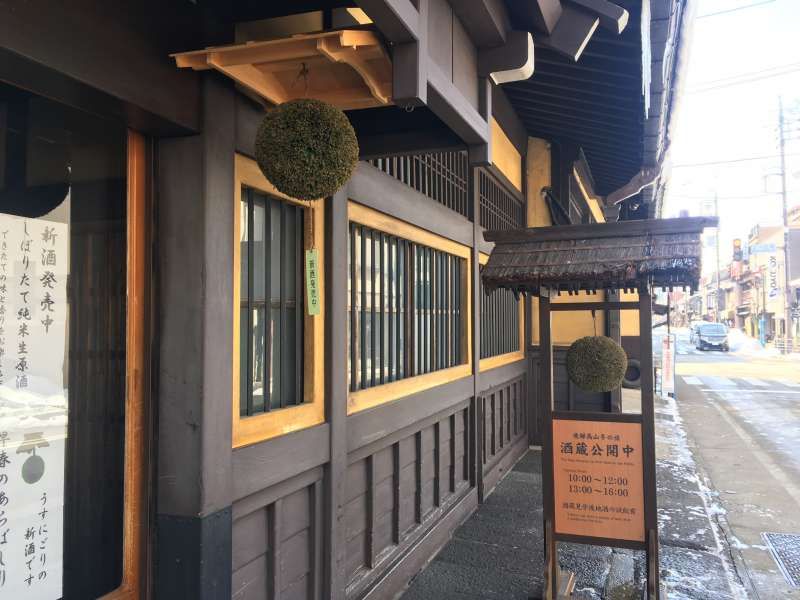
175,420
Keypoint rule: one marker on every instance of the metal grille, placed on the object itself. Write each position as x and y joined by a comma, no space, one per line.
500,208
405,307
785,549
441,176
499,323
271,335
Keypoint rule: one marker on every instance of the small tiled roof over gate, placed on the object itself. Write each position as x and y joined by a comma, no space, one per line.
624,255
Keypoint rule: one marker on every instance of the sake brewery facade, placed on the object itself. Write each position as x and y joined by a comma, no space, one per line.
176,419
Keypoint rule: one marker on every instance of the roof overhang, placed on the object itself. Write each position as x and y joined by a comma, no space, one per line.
626,255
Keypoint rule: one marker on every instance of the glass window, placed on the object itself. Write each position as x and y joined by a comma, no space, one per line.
405,308
500,323
271,318
62,350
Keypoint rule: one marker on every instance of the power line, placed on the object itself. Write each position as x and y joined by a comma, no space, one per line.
731,161
750,197
730,10
763,71
702,88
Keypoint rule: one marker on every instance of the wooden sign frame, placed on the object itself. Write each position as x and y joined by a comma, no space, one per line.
552,574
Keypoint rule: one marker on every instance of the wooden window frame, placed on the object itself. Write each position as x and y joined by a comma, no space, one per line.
258,428
380,394
500,360
134,498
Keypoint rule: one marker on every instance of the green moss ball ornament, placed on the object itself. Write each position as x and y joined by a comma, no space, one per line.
596,364
306,148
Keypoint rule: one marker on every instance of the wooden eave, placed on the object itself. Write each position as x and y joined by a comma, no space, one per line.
623,255
347,68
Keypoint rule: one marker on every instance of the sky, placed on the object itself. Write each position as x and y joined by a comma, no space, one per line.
756,48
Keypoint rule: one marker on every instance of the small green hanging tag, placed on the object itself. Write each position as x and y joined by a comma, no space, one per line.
312,281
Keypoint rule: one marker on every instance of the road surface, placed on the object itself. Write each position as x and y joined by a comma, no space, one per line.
742,418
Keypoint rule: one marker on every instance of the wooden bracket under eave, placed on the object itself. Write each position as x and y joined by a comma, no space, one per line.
349,69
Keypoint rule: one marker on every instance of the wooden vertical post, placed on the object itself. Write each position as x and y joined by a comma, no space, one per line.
336,393
614,331
648,443
477,403
546,404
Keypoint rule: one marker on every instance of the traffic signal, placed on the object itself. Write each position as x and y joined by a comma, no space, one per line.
737,249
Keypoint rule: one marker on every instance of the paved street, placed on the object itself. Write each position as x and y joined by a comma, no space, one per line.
741,414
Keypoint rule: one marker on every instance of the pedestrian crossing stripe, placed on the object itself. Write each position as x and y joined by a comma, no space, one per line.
692,380
788,383
725,383
755,382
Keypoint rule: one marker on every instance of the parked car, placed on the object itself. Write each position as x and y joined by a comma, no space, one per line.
712,336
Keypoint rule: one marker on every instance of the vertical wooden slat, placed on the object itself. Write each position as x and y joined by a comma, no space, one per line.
363,317
299,302
437,467
382,293
418,477
316,541
268,337
336,395
372,514
453,465
396,492
546,402
249,330
354,346
392,299
283,366
274,537
648,443
373,309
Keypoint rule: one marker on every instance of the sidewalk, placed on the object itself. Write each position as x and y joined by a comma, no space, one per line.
497,553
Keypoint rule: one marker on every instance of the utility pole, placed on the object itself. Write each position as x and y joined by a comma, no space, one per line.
719,288
787,290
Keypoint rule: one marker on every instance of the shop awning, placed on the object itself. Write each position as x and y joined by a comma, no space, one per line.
661,253
348,68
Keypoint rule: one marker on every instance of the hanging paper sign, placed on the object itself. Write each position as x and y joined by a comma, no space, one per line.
598,479
668,364
34,265
312,281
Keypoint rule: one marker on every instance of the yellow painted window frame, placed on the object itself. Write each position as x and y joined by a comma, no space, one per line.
509,357
250,430
375,396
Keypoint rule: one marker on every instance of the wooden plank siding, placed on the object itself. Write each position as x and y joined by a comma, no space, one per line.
408,472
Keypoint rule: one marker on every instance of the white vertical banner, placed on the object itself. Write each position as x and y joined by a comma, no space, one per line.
34,264
668,364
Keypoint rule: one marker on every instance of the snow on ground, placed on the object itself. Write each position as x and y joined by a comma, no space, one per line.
696,560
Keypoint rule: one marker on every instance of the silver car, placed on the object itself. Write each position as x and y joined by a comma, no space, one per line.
711,336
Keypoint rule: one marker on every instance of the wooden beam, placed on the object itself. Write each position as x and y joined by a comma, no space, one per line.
541,15
612,17
601,230
486,21
572,32
398,20
603,305
265,85
449,104
408,142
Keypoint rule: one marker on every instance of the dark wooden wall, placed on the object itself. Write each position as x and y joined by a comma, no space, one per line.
356,506
567,395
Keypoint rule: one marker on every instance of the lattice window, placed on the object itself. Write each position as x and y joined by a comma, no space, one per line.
406,308
441,176
500,208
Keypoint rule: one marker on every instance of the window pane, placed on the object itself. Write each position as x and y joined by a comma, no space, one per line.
383,312
62,349
276,311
